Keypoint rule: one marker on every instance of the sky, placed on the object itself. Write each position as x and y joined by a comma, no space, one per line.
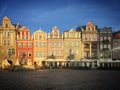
66,14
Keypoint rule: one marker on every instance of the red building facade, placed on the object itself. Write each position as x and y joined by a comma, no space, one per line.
24,46
116,46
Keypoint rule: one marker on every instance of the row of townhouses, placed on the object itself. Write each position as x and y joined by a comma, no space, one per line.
85,42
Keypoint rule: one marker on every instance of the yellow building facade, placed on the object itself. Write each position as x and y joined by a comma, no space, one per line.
40,46
72,44
7,39
90,41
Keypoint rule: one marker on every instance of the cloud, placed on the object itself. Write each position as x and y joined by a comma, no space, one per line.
3,10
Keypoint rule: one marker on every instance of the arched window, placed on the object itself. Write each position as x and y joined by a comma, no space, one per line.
86,45
6,25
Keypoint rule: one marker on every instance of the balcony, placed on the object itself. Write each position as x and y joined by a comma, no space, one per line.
86,49
105,49
106,41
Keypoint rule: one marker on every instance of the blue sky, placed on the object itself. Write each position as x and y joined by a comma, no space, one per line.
65,14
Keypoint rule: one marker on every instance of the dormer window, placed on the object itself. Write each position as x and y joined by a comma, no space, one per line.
88,28
6,25
40,37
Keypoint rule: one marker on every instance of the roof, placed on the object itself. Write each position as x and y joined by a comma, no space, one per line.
116,34
24,28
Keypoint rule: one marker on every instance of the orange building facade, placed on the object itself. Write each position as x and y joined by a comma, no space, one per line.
24,46
55,44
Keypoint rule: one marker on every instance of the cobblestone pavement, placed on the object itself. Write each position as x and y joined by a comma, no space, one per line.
60,80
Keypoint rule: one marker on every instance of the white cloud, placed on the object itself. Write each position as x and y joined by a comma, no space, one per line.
3,10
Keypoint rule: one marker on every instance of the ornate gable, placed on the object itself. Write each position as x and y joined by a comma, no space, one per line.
90,26
6,23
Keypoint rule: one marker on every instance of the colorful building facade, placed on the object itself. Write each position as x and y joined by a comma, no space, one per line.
16,43
55,44
90,41
72,44
105,42
8,39
116,46
24,46
40,46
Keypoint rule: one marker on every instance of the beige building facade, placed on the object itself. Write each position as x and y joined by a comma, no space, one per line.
7,39
90,41
40,47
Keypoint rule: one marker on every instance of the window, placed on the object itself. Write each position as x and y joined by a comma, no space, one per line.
101,46
86,45
77,35
8,42
29,53
105,46
66,43
88,28
43,53
36,44
109,46
40,53
109,38
8,34
36,53
72,43
11,51
55,52
29,45
4,34
23,36
40,37
92,28
72,51
50,43
24,45
6,25
40,44
101,38
44,44
77,51
66,34
4,42
78,44
19,44
71,35
105,38
19,53
60,53
55,43
60,44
